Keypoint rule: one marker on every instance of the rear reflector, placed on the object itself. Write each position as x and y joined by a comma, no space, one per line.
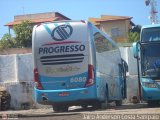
64,94
90,80
36,80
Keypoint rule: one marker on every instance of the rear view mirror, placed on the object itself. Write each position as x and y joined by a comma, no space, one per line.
135,49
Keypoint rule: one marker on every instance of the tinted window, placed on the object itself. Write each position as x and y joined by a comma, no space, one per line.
151,34
150,59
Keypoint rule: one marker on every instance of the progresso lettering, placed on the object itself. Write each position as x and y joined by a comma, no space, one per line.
61,49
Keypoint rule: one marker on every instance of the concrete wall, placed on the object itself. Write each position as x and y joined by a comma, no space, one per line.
16,68
15,51
8,68
16,74
21,94
132,78
132,62
25,68
127,55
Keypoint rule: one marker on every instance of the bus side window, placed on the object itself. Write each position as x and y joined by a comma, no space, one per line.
101,43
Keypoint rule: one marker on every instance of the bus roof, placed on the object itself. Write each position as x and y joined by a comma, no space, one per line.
84,21
150,26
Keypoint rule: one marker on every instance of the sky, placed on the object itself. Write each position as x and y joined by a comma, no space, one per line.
74,9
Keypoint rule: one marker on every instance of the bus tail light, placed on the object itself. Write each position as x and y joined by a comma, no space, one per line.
90,80
36,80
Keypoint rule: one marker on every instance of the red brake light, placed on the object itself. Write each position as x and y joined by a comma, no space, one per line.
36,80
90,80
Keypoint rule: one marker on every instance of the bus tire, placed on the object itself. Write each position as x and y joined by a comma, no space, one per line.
84,106
118,102
152,103
65,108
104,105
55,108
101,105
96,105
60,108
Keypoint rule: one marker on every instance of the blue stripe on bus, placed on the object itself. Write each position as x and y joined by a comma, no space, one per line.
83,93
55,24
45,78
77,94
48,29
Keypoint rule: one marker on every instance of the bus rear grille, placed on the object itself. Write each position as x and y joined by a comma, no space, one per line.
62,59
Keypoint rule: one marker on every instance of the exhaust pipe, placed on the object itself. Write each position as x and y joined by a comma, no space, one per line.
44,99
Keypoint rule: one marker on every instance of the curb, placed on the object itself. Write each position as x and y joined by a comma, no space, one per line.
19,115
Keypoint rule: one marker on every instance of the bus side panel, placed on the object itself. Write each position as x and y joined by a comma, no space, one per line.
102,85
109,79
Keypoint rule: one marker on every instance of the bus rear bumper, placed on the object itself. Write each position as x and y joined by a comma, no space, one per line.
65,96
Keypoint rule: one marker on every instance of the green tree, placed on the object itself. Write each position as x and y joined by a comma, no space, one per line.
7,42
134,34
23,34
136,28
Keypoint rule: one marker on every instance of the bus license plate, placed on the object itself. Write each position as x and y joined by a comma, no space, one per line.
64,94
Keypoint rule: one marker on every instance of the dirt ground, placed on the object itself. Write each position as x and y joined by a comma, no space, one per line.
125,112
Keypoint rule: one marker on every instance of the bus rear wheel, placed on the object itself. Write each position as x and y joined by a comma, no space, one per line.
84,106
118,102
100,105
153,103
60,108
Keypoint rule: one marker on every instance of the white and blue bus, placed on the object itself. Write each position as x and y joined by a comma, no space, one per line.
76,64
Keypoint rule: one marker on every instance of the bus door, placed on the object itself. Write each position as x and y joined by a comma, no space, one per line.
124,72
